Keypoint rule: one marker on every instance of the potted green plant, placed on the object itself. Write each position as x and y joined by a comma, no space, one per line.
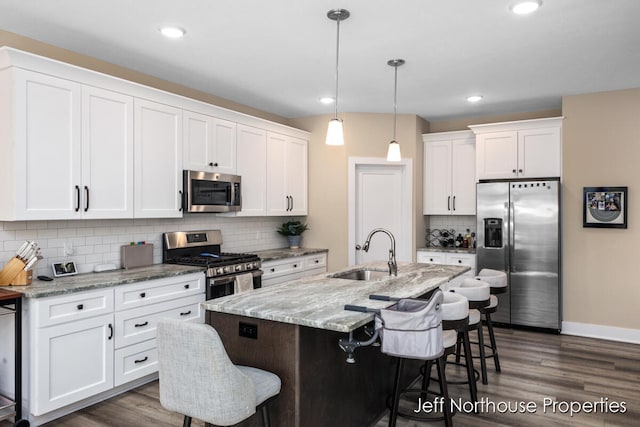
293,230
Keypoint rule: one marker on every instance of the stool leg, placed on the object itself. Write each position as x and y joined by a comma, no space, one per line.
186,422
396,395
426,379
266,422
492,337
473,390
483,362
444,392
459,341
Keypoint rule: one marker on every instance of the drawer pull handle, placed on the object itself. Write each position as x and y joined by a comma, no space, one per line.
459,261
143,294
80,306
185,313
273,270
317,261
186,286
110,331
140,325
295,265
430,259
141,360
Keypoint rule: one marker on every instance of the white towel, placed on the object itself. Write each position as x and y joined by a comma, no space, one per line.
243,283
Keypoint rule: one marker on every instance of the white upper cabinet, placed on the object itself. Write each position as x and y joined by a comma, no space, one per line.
524,149
73,149
158,160
252,168
107,154
449,173
209,143
286,175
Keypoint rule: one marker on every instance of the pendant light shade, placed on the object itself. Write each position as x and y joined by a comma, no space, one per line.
335,135
393,153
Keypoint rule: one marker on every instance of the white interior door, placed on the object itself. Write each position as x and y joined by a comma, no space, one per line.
379,197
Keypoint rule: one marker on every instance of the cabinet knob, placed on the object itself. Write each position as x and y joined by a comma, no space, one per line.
213,164
431,259
186,286
143,294
273,270
80,306
295,265
459,261
514,171
520,170
317,261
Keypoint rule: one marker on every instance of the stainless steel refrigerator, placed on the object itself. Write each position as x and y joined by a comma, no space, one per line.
518,231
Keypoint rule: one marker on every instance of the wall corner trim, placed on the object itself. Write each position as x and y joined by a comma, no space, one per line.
611,333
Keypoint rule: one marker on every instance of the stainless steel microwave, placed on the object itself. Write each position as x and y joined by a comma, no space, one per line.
211,192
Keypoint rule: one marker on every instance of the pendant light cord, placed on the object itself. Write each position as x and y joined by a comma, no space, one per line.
337,59
395,102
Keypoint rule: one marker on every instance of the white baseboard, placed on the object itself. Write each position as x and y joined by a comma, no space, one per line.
611,333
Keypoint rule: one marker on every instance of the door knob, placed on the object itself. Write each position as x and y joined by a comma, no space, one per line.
358,247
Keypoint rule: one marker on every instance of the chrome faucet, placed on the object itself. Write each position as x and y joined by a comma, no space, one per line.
393,266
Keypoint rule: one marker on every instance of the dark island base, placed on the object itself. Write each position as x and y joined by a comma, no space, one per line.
318,387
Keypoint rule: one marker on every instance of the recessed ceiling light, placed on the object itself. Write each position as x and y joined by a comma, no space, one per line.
474,98
525,7
327,100
172,32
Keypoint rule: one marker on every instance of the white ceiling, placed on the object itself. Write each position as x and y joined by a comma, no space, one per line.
279,55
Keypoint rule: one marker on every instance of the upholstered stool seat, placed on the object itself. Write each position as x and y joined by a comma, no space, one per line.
478,293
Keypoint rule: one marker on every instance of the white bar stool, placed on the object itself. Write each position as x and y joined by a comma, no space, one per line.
478,293
498,282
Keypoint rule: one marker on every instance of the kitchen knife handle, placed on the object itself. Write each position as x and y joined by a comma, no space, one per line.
77,198
86,192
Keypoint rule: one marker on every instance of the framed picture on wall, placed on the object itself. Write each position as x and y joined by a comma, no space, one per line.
604,207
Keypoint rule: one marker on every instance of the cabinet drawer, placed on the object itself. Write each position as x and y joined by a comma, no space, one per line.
81,305
137,325
431,257
463,259
154,291
282,267
135,361
312,262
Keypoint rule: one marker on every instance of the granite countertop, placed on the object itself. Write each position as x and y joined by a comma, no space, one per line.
88,281
447,249
283,253
318,301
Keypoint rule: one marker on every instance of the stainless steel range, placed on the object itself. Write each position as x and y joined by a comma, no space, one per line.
202,248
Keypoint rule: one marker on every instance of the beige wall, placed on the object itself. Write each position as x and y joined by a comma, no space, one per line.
29,45
601,147
366,135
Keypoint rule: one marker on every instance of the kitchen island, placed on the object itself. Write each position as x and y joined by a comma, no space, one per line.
293,330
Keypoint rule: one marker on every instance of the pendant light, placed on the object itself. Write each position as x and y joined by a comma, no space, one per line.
335,135
393,154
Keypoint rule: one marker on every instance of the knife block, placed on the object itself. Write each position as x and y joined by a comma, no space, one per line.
14,274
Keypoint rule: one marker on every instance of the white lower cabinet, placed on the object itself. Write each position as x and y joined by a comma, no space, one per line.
285,270
87,343
452,258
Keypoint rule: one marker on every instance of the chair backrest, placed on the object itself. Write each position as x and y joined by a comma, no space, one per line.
197,378
474,290
454,306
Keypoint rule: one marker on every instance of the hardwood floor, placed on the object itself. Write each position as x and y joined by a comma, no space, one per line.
535,367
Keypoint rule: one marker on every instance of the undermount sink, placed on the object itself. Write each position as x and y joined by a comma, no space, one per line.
363,274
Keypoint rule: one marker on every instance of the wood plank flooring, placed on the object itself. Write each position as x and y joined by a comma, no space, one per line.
535,366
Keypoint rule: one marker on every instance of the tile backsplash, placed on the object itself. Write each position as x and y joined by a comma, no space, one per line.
92,242
459,223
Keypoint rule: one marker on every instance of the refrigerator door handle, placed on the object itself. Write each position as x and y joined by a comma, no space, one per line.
512,235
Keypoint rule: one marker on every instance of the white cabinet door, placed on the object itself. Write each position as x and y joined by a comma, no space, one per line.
73,361
286,175
539,153
47,146
437,178
107,154
209,143
497,155
463,177
158,160
296,179
252,168
449,174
